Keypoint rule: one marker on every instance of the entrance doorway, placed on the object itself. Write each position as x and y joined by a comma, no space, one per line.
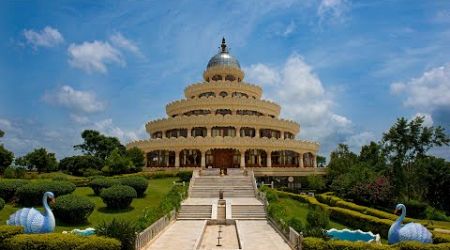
224,158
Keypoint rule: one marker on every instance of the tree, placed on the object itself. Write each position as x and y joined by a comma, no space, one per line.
373,155
117,164
321,161
78,164
407,141
436,179
136,156
315,182
40,160
99,145
6,156
341,159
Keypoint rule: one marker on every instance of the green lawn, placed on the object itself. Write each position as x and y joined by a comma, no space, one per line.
300,210
157,188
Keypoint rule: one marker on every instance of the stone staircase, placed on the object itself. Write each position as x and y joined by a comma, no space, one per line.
195,212
232,187
248,212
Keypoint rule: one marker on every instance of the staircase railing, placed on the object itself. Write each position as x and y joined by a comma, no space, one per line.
195,174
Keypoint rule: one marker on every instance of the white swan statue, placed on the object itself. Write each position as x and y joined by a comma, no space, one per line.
32,220
409,232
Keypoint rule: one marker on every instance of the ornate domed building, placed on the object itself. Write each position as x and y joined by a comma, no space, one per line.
223,123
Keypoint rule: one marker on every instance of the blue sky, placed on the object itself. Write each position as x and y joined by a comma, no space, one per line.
345,70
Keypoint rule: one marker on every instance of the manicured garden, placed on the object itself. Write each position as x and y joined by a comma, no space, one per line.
156,190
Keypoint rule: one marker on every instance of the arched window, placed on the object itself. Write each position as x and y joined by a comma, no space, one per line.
223,112
288,135
285,158
255,158
157,135
248,132
178,132
239,94
223,94
249,112
198,112
199,131
230,78
269,133
217,78
190,158
207,94
308,160
161,158
223,131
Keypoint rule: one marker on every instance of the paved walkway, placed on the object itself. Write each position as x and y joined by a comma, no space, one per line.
260,235
181,235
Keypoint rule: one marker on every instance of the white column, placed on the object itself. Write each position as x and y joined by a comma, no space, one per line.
238,131
208,131
300,159
269,159
203,161
189,132
315,161
177,159
242,159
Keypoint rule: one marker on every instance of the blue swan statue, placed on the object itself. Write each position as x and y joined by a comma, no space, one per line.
411,231
32,220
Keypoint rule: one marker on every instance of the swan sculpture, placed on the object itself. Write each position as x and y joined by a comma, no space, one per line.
32,220
411,231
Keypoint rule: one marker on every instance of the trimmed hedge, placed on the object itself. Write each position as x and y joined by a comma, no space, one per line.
8,232
441,237
320,244
58,241
171,201
9,187
31,194
139,184
118,196
100,183
73,209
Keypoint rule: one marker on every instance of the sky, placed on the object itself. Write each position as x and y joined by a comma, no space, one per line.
344,70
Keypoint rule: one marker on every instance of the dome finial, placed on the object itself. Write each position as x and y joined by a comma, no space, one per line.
224,46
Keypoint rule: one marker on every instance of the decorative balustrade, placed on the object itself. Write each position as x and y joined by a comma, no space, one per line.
144,237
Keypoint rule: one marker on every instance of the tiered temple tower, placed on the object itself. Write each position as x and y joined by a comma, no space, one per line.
224,123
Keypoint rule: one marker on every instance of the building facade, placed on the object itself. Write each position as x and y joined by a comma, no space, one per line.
223,123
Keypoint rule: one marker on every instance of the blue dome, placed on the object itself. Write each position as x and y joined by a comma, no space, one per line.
223,58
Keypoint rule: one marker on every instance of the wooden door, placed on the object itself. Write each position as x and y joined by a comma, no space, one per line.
223,159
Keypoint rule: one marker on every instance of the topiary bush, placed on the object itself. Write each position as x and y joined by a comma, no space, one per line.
9,187
8,232
139,184
118,196
416,209
185,176
58,241
73,209
122,230
98,184
317,218
31,193
14,172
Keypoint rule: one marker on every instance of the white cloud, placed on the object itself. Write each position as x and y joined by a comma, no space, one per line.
262,74
302,97
332,11
289,29
107,127
5,124
428,92
80,119
94,56
48,37
120,41
75,100
356,141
